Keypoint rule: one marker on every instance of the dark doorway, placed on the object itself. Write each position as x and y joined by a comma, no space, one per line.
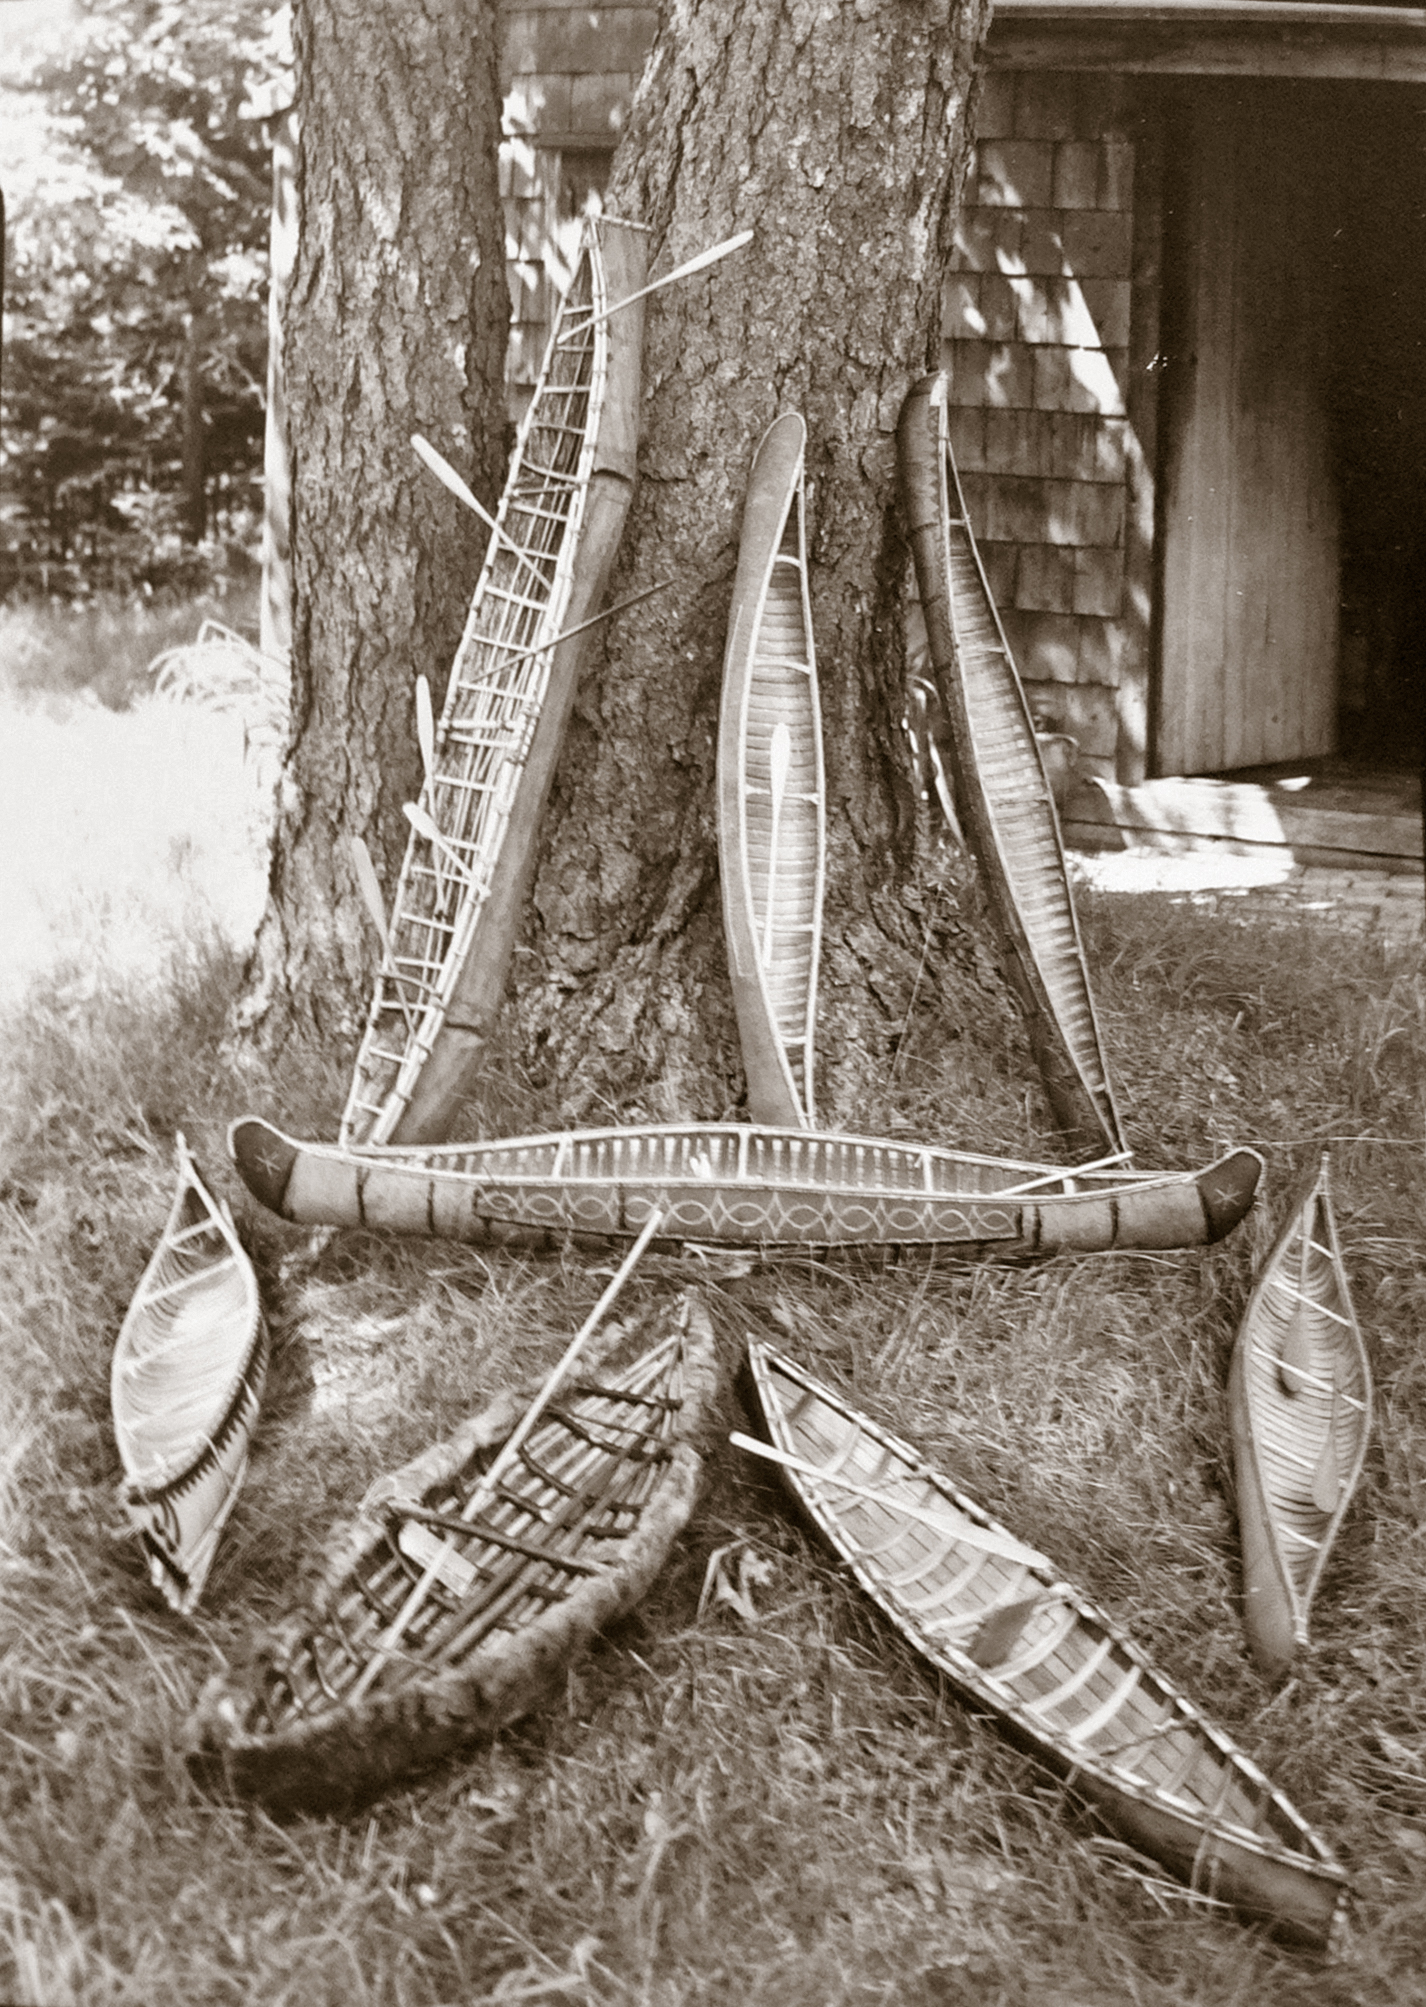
1377,395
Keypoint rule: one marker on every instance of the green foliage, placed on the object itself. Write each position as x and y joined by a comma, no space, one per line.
137,273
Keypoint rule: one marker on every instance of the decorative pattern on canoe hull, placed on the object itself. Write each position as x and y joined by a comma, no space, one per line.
1001,784
573,1535
1062,1680
1300,1401
745,1187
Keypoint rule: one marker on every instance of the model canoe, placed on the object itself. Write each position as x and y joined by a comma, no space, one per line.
771,790
1300,1401
1057,1674
741,1186
1001,785
459,900
186,1382
581,1522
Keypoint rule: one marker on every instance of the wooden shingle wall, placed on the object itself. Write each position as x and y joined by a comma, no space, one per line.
567,73
1037,328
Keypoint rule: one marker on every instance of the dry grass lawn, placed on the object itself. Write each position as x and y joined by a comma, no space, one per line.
770,1801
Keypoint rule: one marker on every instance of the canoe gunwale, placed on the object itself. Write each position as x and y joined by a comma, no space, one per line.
1189,1841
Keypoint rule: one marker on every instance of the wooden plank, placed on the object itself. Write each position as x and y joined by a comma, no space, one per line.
1244,815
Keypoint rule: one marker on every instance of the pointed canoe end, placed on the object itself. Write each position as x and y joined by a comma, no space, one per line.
264,1158
1227,1189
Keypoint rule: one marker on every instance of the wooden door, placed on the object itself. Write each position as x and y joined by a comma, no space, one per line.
1248,661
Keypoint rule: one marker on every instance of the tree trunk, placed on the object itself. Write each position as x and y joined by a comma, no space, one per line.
193,514
840,135
396,322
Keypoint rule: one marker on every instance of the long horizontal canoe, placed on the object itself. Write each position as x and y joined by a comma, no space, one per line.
771,789
492,1586
1000,782
740,1186
467,867
1058,1675
1300,1402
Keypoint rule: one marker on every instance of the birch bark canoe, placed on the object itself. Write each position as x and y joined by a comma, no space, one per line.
1001,785
186,1383
579,1526
1060,1678
1300,1404
458,902
780,1191
771,788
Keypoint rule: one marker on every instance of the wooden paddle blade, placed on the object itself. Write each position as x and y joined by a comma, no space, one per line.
1327,1477
446,474
1001,1632
370,889
426,727
1294,1365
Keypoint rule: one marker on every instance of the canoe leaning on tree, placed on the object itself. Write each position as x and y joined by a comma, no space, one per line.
771,790
778,1191
456,1599
185,1385
1059,1676
1300,1403
1000,781
491,756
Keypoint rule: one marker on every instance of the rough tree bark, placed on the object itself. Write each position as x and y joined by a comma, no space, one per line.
396,322
840,134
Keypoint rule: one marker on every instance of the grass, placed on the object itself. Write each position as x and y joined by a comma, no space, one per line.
770,1800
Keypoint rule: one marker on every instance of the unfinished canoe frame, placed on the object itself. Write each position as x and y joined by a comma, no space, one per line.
772,835
1060,1677
1300,1404
186,1383
1002,789
459,899
781,1191
581,1521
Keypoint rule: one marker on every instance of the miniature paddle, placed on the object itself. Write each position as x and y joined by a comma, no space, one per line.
447,475
489,1484
973,1535
425,825
684,271
426,729
1295,1360
1326,1477
370,889
780,760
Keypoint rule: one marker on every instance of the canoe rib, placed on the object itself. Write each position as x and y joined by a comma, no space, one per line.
457,911
185,1385
723,1184
1069,1685
771,814
1293,1427
1001,783
574,1535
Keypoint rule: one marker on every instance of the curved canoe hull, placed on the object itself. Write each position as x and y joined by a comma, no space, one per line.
1059,1677
771,788
738,1186
1300,1405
